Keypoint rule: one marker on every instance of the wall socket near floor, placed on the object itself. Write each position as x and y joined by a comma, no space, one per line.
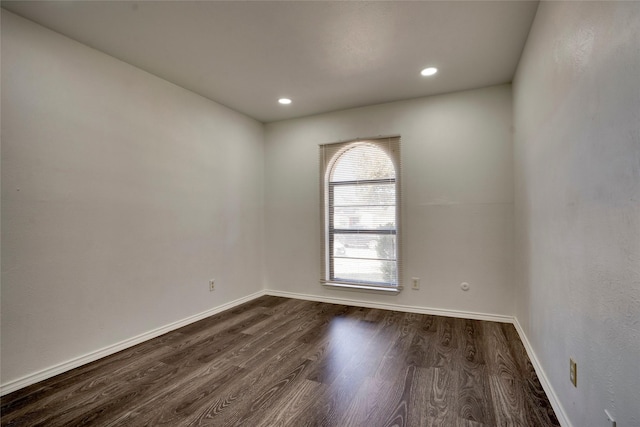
212,285
610,418
573,373
415,283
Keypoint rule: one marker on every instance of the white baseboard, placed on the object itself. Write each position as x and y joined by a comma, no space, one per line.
396,307
114,348
546,385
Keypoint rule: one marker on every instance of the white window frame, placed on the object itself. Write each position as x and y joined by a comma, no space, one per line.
329,154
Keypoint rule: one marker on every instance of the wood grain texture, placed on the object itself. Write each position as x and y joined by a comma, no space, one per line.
283,362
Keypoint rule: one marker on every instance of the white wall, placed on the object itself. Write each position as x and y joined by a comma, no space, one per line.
577,163
457,206
122,194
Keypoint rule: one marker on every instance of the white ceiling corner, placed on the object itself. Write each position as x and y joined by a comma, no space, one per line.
325,55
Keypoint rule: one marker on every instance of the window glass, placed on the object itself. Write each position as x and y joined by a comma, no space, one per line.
360,198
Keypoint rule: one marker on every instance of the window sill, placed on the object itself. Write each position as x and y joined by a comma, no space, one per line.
363,288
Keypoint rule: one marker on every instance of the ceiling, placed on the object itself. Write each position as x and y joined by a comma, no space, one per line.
323,55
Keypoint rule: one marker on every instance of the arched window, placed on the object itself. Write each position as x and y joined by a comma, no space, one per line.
360,203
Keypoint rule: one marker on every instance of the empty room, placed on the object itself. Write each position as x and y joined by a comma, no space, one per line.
320,213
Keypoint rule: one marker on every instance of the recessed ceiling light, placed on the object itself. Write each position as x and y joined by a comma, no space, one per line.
429,71
284,101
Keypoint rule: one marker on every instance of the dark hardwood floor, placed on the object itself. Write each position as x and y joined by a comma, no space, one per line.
285,362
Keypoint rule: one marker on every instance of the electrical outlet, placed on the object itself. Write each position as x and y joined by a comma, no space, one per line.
573,373
415,283
212,285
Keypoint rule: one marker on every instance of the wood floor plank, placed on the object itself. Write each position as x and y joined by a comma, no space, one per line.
290,312
210,346
535,393
89,375
399,416
235,406
363,403
296,403
445,343
346,366
270,395
282,362
418,414
473,353
172,408
84,390
265,369
344,347
500,361
474,398
508,400
443,398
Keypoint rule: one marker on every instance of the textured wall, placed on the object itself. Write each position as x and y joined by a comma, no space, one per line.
122,194
457,201
577,169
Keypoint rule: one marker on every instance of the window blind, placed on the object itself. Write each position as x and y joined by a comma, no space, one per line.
360,194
